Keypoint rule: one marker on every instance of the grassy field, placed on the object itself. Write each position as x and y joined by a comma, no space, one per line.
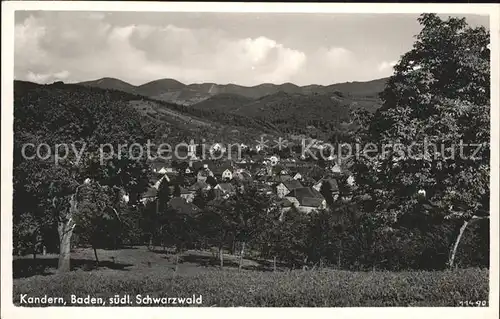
140,272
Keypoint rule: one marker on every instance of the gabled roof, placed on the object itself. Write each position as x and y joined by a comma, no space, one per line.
227,187
310,202
280,178
150,193
157,165
221,169
305,192
198,185
252,167
199,165
244,175
285,203
292,184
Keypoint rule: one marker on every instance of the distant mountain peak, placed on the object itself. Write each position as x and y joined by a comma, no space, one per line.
174,91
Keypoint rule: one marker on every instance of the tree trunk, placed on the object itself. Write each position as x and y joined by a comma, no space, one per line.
150,246
455,246
274,263
242,253
221,257
65,229
177,262
96,258
339,264
65,232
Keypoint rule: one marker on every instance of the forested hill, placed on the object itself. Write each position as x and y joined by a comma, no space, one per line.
278,113
175,123
176,92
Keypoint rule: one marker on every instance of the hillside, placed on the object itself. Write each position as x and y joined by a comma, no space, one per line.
287,112
223,102
214,111
158,87
295,112
360,89
176,92
171,123
111,84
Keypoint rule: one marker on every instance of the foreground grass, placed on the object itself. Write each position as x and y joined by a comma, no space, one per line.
228,288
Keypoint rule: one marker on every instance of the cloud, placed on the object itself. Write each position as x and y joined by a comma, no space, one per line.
79,46
386,66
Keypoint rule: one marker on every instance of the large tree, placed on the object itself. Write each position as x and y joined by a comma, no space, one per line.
77,122
437,100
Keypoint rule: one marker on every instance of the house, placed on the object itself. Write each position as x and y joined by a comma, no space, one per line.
258,158
216,148
205,164
242,175
149,195
248,166
280,170
126,198
332,185
306,199
227,174
188,195
224,190
158,181
284,206
166,170
199,186
264,188
203,173
286,187
350,180
261,172
158,166
296,175
280,178
336,169
223,173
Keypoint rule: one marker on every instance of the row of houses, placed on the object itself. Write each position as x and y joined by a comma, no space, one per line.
296,185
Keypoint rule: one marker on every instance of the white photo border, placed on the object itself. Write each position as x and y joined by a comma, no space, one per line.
8,310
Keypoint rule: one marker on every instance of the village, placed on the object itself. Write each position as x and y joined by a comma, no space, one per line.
295,181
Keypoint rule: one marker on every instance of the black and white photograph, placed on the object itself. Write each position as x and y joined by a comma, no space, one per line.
249,155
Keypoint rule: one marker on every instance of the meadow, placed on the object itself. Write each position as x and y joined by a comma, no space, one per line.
139,271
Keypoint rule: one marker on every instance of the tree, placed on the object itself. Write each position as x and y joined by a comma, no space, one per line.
211,181
163,195
438,96
76,123
241,218
252,209
289,237
177,190
98,219
326,191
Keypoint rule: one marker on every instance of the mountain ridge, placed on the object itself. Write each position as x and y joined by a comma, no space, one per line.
174,91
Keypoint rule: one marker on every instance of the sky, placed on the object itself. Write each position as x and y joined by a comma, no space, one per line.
240,48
